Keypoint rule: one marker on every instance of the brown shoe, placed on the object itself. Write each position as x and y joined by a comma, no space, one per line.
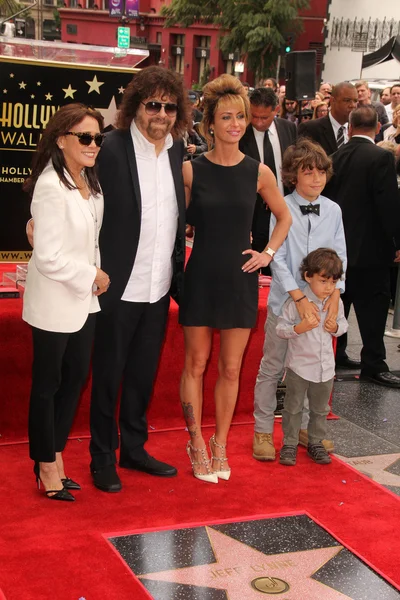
263,446
303,440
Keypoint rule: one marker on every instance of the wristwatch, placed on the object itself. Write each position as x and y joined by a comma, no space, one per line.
270,252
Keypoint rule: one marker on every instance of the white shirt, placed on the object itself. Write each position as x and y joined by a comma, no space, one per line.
389,111
310,354
276,148
366,137
336,126
151,275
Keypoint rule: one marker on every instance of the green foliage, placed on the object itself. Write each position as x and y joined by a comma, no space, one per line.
255,28
9,7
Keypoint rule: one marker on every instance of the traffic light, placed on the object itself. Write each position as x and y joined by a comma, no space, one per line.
288,44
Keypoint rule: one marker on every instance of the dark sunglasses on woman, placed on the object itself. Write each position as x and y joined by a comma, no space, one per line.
87,138
153,108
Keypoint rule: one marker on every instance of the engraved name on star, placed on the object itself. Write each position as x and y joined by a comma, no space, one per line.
69,92
375,467
239,569
94,85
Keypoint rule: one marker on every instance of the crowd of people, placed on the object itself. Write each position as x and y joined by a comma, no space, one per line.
301,190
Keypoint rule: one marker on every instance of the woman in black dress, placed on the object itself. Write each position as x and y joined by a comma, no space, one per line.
221,280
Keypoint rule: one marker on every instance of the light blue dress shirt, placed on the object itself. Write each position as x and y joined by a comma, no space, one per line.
307,233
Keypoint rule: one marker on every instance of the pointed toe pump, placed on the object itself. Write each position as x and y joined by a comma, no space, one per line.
62,494
209,477
221,473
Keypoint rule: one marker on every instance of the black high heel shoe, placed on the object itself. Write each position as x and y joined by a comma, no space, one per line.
70,484
52,494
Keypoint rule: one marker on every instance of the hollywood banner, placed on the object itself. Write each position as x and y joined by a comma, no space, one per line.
30,93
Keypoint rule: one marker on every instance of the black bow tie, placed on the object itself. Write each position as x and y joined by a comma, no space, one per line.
310,208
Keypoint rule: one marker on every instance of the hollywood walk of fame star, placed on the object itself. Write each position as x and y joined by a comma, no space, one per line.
49,96
22,85
375,467
109,113
121,90
238,568
94,85
69,92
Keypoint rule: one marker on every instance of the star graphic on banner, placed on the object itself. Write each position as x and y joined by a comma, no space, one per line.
375,467
121,90
11,75
49,96
22,85
5,91
69,92
32,96
244,572
109,112
39,83
94,85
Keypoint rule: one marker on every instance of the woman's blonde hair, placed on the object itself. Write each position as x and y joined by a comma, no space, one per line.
225,89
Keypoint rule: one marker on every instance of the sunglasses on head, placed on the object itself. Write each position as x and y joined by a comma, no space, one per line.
153,108
87,138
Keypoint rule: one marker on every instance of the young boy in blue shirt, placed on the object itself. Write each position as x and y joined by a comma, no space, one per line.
310,359
317,222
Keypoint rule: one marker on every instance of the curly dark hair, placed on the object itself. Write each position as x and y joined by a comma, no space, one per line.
303,155
60,123
151,82
324,262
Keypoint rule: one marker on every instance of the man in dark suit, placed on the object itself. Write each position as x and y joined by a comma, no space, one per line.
266,139
331,132
365,187
140,171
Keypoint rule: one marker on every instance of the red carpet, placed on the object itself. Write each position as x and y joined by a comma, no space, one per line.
56,551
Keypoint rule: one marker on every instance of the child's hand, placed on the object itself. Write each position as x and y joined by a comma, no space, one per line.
309,322
331,326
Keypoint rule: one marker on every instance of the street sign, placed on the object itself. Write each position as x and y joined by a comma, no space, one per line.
124,37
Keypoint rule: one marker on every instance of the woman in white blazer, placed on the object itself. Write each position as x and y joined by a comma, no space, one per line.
63,281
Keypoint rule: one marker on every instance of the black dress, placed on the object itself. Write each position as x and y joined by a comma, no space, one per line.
216,292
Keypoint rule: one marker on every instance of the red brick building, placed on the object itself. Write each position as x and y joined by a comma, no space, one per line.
190,51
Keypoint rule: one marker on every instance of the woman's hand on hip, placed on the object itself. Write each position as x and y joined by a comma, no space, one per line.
258,261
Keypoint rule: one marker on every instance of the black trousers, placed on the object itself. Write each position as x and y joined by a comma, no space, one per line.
60,367
127,348
369,292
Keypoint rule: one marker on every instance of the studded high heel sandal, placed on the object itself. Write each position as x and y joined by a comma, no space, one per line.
221,473
210,477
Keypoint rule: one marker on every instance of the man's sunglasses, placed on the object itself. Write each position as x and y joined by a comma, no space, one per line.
87,138
153,108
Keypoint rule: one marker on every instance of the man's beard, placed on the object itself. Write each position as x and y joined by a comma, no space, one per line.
157,128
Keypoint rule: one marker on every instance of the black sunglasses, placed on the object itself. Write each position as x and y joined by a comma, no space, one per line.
153,108
87,138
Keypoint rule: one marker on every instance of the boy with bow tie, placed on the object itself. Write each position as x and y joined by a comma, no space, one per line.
317,222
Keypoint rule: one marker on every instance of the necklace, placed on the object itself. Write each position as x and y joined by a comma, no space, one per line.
92,203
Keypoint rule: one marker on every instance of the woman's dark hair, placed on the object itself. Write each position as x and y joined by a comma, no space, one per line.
60,123
151,82
324,262
303,155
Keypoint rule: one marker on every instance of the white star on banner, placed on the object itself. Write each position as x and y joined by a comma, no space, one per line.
48,96
32,96
22,85
11,75
109,113
4,91
121,90
94,85
69,92
39,83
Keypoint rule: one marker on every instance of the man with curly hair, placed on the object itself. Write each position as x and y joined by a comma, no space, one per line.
143,246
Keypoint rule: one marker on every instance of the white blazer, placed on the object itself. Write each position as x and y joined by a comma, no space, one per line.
59,285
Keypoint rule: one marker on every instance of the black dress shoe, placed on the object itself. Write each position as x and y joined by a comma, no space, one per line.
387,379
347,363
70,484
106,479
150,465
